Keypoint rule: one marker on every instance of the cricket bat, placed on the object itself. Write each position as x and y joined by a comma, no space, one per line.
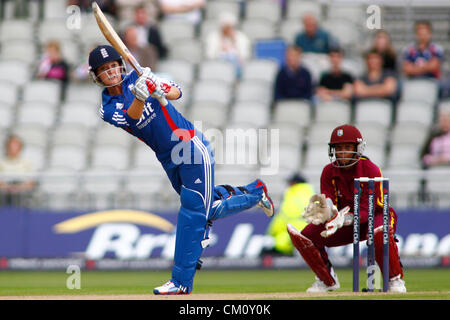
115,41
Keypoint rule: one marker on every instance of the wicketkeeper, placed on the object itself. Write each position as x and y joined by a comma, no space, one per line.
329,217
133,103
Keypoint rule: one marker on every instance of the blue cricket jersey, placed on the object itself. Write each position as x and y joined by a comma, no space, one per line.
160,127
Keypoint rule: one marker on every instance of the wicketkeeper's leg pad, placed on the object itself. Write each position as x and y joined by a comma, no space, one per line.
191,231
312,256
395,266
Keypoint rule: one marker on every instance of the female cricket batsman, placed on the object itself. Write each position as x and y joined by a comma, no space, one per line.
330,222
132,103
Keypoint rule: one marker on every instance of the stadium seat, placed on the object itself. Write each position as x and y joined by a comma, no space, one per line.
22,73
289,158
111,157
54,29
373,134
37,113
108,135
17,29
54,9
404,156
377,154
288,133
73,157
420,90
316,64
80,113
316,157
296,112
254,113
217,70
353,12
412,132
254,90
206,27
297,8
333,111
413,111
259,29
289,29
270,49
10,93
263,9
45,91
402,190
144,159
209,90
213,9
344,31
20,50
260,69
209,113
188,50
36,155
100,188
180,71
71,135
83,93
58,188
33,134
6,116
174,30
144,192
374,111
320,133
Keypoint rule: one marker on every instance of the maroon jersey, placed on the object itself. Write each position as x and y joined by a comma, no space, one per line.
338,185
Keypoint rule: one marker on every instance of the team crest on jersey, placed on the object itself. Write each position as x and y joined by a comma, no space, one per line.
119,105
340,132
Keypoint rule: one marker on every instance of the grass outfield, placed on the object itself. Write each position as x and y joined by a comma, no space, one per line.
421,284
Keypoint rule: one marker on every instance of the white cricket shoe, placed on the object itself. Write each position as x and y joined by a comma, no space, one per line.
170,288
319,286
397,285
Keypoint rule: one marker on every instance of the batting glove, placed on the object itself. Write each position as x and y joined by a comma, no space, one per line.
343,217
145,85
319,210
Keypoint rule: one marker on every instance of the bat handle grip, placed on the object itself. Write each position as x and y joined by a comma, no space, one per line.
162,100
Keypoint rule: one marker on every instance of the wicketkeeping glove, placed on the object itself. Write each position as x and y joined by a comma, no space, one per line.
319,210
342,218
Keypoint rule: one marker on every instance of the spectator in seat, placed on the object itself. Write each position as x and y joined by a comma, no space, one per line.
335,84
52,64
148,31
146,54
423,58
187,10
436,150
228,43
382,44
376,83
313,39
293,81
17,191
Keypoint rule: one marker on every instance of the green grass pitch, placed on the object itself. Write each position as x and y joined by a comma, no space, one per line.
421,283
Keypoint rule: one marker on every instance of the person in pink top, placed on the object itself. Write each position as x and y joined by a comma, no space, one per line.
329,217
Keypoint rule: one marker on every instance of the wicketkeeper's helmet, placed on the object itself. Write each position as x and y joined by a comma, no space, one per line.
346,134
101,55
